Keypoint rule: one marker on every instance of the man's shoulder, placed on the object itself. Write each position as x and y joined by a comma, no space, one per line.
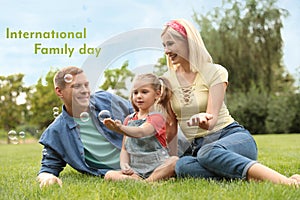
102,93
55,125
51,131
100,97
107,101
108,96
57,130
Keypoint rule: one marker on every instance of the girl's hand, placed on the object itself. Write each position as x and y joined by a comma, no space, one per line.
126,169
201,120
113,125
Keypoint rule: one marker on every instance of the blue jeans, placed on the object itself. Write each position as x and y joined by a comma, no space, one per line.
225,154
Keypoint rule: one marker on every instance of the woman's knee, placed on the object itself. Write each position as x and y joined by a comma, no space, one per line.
209,153
205,152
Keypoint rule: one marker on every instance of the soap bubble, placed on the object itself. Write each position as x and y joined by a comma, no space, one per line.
68,78
14,140
84,116
55,114
22,134
12,135
103,114
55,109
44,152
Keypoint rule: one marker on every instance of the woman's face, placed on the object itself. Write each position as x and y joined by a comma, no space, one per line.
175,48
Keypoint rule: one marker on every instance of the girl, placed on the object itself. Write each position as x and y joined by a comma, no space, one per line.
144,152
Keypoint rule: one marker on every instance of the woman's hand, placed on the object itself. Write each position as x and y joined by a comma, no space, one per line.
201,120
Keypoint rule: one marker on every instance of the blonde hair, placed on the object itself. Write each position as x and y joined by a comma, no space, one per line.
198,54
157,83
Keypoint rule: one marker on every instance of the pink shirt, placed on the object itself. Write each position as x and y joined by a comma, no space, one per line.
158,121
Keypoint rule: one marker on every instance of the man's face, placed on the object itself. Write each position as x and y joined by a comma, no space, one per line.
76,94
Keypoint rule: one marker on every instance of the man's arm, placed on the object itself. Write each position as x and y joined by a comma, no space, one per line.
51,166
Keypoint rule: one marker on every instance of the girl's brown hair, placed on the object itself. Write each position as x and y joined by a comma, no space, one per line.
158,83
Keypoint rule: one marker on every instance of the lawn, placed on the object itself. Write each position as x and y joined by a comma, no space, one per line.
20,164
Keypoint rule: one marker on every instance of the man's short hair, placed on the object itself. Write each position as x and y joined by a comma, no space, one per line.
60,77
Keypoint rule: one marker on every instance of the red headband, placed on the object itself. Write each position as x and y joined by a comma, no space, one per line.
177,27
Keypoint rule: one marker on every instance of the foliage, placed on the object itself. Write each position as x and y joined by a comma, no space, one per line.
245,37
161,67
115,79
12,114
280,152
294,106
283,114
42,99
249,109
262,113
3,135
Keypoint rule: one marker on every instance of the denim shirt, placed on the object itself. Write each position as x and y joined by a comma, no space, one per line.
62,142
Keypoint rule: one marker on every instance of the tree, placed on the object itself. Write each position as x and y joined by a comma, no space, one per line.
161,67
115,79
246,39
12,114
42,99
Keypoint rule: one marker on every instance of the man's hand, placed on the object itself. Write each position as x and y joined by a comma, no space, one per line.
46,179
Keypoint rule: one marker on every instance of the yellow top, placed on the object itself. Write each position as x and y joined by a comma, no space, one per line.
187,101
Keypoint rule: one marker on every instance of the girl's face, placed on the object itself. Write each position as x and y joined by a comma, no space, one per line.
175,48
144,95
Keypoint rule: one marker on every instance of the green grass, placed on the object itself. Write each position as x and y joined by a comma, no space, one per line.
20,163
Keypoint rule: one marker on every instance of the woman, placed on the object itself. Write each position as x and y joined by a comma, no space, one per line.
221,148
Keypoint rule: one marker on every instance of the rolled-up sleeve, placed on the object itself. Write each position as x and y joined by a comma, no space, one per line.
51,162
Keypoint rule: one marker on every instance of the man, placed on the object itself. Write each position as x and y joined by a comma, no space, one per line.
77,137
